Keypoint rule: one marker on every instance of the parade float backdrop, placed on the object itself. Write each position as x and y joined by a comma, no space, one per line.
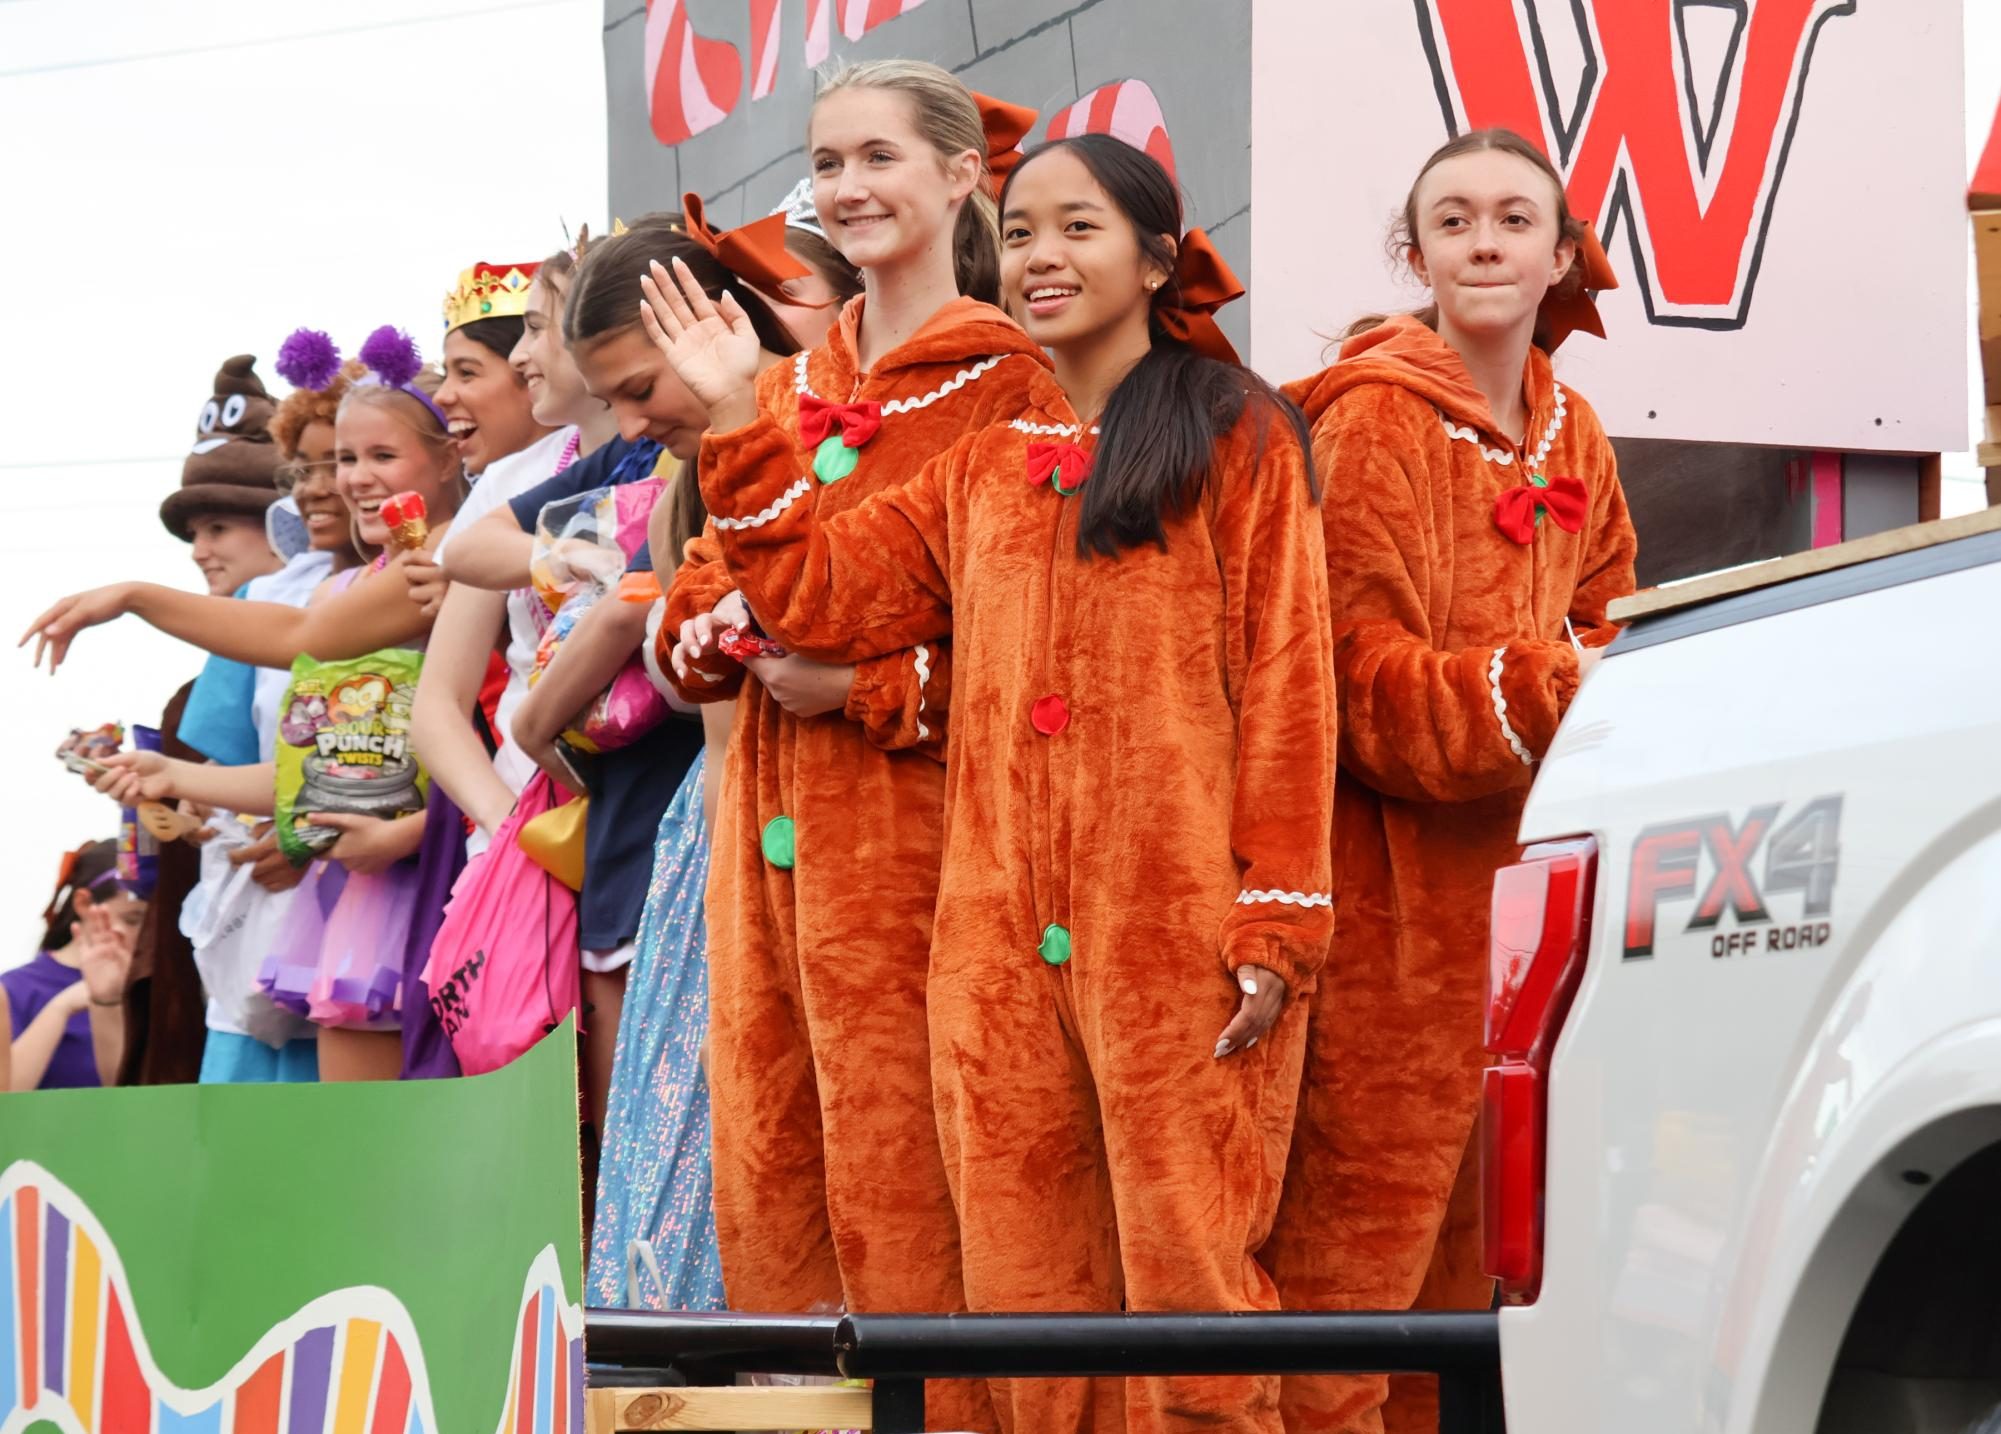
395,1258
1779,182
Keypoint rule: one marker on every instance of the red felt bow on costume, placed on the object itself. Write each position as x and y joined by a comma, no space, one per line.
1201,284
1577,310
1070,465
754,252
858,422
1006,126
1565,499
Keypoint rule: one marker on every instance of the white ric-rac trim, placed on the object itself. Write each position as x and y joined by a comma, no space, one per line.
920,658
906,405
1501,458
1048,430
1501,708
1285,898
758,520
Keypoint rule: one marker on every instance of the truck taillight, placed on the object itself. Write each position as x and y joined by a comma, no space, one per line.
1539,934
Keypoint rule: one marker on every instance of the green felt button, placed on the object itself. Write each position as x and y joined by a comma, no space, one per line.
777,842
1055,947
833,460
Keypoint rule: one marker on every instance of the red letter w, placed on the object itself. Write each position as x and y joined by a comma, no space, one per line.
1632,145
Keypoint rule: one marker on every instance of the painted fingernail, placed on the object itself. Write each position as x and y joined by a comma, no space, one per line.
1222,1049
1249,985
1251,1042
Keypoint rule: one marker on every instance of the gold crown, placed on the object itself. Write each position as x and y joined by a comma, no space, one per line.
489,291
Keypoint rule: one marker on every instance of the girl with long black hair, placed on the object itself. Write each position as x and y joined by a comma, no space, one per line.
1139,772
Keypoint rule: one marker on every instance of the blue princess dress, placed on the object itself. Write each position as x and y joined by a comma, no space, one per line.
655,1198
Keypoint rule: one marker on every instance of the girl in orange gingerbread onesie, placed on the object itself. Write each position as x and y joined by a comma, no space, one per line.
830,1190
1140,770
1474,523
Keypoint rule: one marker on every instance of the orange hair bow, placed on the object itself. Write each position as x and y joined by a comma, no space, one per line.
754,252
1006,126
1577,311
1201,284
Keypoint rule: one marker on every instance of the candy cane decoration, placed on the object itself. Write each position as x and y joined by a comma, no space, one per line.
1125,109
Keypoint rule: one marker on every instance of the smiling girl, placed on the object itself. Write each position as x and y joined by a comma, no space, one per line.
1135,873
1476,524
830,1189
389,437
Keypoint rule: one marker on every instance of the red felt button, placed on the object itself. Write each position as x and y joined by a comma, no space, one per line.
1050,715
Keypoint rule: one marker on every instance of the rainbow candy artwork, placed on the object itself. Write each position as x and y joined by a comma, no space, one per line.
73,1353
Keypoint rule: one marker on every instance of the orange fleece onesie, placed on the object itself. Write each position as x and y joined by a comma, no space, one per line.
1140,783
1454,669
830,1188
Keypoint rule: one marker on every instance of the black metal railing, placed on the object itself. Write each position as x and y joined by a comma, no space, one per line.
899,1353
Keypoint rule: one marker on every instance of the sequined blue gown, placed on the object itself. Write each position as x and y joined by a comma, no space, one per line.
654,1180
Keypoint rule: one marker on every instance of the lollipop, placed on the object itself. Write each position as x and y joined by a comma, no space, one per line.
405,514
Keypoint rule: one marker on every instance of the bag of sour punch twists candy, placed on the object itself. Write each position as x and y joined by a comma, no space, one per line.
344,746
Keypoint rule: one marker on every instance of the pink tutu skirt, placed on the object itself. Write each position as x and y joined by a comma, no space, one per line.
338,960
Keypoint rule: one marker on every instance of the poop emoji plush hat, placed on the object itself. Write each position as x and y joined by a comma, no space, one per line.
233,465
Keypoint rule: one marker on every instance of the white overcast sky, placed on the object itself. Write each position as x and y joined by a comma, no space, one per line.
183,181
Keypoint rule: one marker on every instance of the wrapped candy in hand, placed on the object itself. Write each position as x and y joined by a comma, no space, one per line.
408,520
83,751
742,644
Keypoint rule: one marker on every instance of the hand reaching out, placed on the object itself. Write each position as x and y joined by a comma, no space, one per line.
130,778
55,629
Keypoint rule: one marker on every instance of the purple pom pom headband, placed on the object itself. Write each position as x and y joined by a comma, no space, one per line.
309,359
393,361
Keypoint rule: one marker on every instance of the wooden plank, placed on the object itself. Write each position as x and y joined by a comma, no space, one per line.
1931,487
745,1409
600,1411
1800,565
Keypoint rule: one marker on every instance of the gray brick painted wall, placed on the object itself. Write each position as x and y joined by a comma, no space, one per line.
1194,54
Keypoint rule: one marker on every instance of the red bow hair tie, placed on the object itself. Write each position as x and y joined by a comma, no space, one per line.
1201,284
1006,126
754,252
1577,311
1519,510
1066,463
818,419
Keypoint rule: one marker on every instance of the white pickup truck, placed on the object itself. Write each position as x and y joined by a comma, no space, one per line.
1748,1181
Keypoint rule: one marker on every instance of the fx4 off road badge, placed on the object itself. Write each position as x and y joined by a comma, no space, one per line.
1746,863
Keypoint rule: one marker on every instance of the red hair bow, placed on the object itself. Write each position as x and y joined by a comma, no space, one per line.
1066,462
1201,284
858,422
754,252
1565,499
1578,310
1006,126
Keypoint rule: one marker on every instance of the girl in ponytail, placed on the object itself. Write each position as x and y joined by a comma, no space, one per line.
828,834
1476,536
1135,885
